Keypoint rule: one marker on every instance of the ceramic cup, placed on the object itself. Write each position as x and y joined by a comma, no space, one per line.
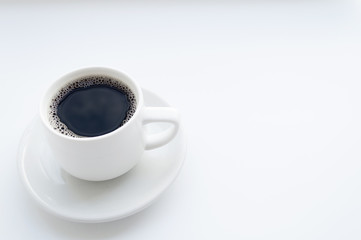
113,154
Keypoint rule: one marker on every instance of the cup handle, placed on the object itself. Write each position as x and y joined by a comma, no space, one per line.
160,114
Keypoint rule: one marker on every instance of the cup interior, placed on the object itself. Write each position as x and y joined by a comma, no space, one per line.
75,76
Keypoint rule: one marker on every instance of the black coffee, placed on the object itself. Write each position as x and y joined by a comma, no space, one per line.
92,106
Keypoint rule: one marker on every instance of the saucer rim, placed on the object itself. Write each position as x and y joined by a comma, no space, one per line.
117,216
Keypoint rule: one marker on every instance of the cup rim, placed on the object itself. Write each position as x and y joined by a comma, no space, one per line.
84,72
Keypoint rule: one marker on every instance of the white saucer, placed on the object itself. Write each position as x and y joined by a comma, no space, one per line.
82,201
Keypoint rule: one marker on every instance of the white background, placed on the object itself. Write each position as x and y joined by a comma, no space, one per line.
270,93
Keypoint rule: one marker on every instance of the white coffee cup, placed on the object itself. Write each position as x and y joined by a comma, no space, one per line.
113,154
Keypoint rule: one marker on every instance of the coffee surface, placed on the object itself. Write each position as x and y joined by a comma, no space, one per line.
91,106
93,110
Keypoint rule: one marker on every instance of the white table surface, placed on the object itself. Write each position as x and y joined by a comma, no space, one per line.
270,93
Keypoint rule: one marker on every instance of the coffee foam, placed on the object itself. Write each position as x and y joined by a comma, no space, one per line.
83,83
